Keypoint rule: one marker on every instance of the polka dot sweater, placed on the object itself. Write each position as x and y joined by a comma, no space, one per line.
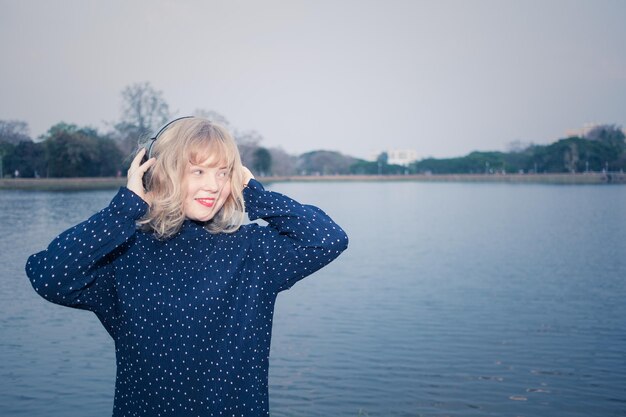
191,316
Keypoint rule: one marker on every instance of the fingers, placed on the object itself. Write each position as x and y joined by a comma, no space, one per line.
137,167
136,172
146,165
137,160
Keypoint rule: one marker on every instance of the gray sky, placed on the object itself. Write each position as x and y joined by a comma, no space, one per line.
441,77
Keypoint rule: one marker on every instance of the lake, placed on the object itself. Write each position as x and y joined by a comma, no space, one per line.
453,299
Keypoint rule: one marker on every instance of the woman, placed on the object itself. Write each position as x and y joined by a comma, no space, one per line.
186,291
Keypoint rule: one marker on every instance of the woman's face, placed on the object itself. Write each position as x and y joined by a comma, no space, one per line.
208,187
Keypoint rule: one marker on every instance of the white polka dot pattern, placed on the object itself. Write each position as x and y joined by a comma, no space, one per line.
191,316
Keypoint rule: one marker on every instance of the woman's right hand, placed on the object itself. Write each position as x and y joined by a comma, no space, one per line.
136,173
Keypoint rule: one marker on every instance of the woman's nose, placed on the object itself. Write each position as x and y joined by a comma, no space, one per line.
210,183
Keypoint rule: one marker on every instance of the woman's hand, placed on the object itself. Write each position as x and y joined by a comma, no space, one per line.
136,173
246,175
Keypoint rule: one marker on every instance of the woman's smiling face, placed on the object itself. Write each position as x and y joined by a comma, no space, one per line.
207,189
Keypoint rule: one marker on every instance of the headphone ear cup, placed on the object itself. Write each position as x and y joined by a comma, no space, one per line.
146,175
145,179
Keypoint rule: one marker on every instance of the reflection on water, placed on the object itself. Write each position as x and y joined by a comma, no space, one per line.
453,299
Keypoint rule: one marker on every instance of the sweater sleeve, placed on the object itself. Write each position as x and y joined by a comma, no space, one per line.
298,240
74,270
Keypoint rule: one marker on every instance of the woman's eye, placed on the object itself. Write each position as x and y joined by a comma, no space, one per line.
197,172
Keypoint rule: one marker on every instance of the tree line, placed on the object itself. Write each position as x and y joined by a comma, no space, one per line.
602,149
68,150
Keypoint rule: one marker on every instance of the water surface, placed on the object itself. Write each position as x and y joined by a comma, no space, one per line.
452,300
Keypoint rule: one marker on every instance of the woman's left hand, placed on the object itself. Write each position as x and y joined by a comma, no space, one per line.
246,175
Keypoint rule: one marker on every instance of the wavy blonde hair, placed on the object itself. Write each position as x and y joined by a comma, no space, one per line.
191,140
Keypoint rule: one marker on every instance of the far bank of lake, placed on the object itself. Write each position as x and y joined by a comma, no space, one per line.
103,183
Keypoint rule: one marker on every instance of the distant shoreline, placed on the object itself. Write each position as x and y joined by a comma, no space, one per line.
76,184
582,178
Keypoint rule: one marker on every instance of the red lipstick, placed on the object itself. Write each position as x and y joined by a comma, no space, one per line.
206,202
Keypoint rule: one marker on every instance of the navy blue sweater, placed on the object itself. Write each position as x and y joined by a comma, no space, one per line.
191,316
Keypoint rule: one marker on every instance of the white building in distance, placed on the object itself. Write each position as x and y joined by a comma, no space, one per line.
397,156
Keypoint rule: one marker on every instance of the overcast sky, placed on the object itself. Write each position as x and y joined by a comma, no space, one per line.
441,77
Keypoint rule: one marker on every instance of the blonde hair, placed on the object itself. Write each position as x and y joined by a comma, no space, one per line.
191,140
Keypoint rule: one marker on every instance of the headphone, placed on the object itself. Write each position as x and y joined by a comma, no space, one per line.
154,138
149,146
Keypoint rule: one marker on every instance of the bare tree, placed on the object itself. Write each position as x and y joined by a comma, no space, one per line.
144,110
610,134
248,142
144,107
212,116
517,146
282,163
325,163
14,131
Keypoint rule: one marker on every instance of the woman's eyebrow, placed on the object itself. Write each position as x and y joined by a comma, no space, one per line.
217,166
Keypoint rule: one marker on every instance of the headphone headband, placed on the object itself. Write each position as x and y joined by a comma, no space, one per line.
164,127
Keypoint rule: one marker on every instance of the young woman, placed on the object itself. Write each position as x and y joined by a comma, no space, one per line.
185,290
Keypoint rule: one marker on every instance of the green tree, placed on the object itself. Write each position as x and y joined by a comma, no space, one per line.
574,155
111,161
361,167
262,161
14,142
383,158
80,152
27,157
474,163
6,150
